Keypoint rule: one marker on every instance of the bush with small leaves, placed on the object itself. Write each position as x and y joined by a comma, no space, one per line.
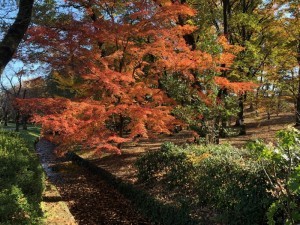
221,178
21,183
232,185
170,165
281,165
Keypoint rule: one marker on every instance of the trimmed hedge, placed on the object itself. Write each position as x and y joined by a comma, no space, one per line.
21,182
147,205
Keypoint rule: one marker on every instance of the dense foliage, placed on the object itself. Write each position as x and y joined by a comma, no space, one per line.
238,186
109,79
114,67
121,70
281,165
21,182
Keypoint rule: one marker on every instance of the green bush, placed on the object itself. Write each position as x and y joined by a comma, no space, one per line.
21,182
221,178
232,185
281,165
171,165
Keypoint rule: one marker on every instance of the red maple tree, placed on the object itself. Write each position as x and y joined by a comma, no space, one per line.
119,51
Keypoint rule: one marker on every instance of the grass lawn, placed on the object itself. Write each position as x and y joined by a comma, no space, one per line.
28,135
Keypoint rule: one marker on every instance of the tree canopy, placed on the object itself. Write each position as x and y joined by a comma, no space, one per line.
121,70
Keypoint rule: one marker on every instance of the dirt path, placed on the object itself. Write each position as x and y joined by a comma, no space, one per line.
90,199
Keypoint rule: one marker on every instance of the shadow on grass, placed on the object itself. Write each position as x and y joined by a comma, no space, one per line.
30,135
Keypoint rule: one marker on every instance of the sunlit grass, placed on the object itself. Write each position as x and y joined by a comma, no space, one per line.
29,135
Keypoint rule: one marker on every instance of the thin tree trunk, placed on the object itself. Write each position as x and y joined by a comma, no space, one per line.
223,91
298,101
24,122
240,120
225,16
257,96
5,118
216,131
121,126
251,107
24,117
15,33
298,96
242,98
279,102
17,121
221,96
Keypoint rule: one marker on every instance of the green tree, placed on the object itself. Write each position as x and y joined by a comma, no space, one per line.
289,15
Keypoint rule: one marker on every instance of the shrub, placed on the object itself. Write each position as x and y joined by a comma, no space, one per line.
232,185
220,178
21,183
281,165
170,165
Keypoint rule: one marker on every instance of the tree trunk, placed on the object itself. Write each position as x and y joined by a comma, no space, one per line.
121,126
24,122
251,107
279,103
216,131
222,94
240,120
298,101
15,33
223,91
212,132
5,118
17,120
298,96
225,16
257,96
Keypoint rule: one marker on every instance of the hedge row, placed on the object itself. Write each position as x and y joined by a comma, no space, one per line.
21,182
148,205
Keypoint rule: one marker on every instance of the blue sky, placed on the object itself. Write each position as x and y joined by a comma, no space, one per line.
8,11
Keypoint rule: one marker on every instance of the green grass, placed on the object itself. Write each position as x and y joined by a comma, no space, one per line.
29,135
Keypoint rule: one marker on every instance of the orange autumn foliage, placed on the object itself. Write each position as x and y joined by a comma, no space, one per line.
236,87
119,58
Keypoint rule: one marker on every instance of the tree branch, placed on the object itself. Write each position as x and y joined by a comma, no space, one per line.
15,33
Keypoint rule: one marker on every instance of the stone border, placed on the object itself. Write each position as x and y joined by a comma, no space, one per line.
56,211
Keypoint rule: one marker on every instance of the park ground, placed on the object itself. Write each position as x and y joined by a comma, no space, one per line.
75,196
257,128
